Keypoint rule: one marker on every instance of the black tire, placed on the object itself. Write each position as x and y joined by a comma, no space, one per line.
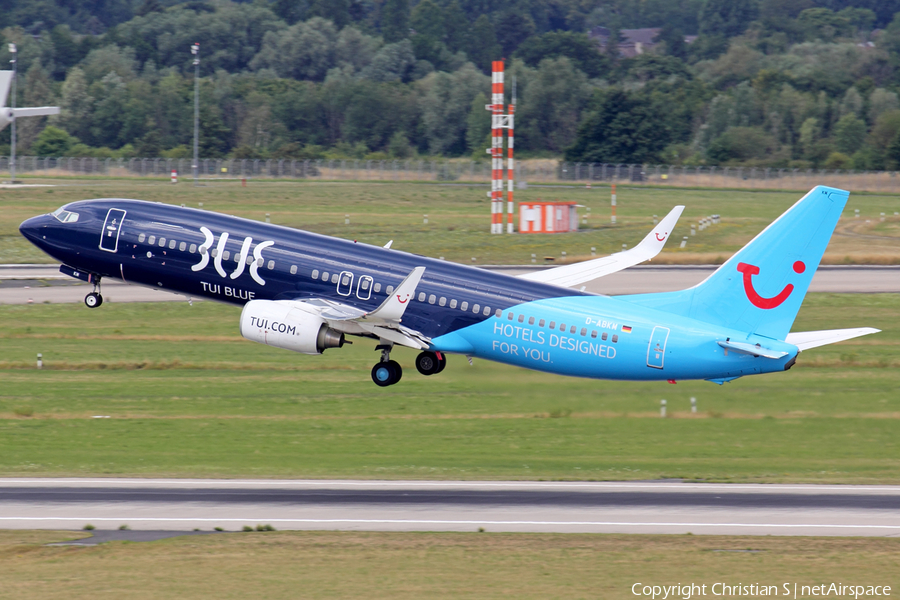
427,363
398,370
383,374
93,300
443,362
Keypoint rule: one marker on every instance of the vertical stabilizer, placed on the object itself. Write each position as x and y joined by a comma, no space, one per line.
760,289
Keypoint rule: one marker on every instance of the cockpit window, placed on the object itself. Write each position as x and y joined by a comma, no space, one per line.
65,216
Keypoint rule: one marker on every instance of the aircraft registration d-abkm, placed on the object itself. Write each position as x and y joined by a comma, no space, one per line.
306,292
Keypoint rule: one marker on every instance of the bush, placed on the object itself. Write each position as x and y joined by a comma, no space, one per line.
53,141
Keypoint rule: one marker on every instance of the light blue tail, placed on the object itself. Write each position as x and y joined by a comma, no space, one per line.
759,290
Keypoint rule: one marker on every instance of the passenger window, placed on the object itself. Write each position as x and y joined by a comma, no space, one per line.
499,313
364,283
293,269
421,296
531,320
377,287
249,260
315,274
453,303
604,336
182,246
615,338
172,244
345,280
521,318
541,323
193,248
510,316
464,306
162,242
432,299
572,329
476,308
442,301
486,311
142,237
259,262
325,276
562,326
552,324
594,334
237,257
214,252
271,265
151,240
389,290
226,255
583,331
334,278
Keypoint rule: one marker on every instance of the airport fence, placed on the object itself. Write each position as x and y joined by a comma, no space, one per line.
527,171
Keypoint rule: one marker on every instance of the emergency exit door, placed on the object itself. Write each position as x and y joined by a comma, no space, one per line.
656,350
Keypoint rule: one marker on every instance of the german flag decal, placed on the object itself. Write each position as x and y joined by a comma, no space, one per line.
626,328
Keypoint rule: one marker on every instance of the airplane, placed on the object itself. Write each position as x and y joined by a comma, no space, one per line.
306,292
8,115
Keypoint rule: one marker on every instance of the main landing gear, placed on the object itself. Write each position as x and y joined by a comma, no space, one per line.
94,299
431,363
387,372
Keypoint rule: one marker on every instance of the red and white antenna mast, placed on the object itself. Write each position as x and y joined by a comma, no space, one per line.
510,168
496,149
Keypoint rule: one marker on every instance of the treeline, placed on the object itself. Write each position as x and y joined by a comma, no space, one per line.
788,83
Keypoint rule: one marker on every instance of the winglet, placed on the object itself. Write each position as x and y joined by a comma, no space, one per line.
656,239
650,246
394,306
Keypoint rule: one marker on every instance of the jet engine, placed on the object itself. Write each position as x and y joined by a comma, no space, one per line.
283,325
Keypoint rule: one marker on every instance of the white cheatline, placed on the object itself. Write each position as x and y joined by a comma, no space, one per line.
454,522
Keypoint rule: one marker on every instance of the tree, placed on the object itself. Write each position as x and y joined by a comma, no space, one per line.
446,104
513,28
727,18
849,134
478,126
53,141
483,48
76,104
456,27
395,20
551,106
624,128
575,46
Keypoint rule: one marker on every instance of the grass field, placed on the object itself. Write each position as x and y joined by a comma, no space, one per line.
458,217
425,565
188,397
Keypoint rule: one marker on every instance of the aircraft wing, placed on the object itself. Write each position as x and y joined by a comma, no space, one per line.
383,322
650,246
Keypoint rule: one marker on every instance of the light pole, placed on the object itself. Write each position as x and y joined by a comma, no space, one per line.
12,145
195,50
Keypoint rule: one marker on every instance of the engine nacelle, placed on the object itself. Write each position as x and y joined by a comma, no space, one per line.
283,325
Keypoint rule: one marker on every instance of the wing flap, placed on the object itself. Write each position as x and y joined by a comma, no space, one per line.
650,246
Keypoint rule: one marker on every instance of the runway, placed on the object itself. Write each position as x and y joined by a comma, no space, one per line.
38,284
564,507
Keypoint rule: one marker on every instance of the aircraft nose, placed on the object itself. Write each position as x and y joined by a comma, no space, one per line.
31,228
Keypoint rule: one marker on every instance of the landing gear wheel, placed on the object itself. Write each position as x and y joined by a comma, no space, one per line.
443,361
93,300
386,373
429,363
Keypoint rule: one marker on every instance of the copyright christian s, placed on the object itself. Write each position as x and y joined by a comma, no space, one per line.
790,590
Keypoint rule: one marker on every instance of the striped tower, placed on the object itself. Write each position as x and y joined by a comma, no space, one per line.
497,147
510,167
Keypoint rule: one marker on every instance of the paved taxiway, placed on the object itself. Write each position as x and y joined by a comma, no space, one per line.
21,284
566,507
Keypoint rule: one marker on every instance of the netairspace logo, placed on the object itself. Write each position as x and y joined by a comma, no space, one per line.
789,590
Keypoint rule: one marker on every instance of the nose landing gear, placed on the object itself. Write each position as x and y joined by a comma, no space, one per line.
94,299
387,372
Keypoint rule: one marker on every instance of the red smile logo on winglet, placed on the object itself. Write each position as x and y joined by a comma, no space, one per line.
758,301
660,239
403,301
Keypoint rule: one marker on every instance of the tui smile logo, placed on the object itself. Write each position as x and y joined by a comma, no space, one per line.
402,300
661,239
758,301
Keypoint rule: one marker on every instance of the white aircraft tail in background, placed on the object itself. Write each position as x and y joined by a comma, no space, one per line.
7,115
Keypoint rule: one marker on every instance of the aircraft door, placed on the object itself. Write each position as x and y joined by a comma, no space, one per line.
656,349
109,237
345,283
364,288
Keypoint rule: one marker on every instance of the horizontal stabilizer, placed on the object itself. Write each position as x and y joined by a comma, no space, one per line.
752,349
813,339
37,111
650,246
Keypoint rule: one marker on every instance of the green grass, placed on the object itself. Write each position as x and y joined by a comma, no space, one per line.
458,217
186,396
427,565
